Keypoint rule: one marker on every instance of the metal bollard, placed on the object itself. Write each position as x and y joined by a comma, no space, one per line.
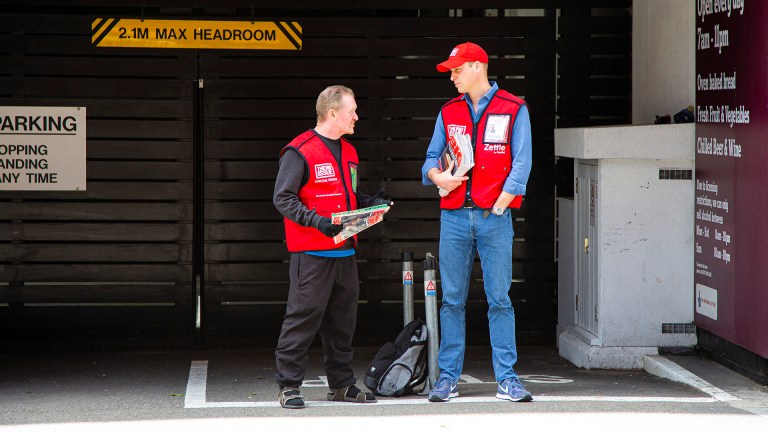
430,306
407,287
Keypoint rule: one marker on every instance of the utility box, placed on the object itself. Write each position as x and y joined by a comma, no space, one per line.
631,263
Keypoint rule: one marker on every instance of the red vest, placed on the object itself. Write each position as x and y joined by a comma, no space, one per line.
329,189
492,140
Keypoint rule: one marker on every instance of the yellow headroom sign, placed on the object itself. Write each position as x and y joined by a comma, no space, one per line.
136,33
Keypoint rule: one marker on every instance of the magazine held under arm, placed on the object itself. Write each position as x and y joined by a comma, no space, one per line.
358,220
459,150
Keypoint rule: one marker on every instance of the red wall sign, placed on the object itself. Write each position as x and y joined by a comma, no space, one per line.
731,237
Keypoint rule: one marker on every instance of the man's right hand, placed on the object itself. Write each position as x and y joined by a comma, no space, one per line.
327,228
445,179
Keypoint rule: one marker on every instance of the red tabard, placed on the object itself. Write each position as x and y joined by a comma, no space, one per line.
328,190
492,139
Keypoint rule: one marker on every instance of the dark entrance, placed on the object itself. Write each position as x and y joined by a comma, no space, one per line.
182,153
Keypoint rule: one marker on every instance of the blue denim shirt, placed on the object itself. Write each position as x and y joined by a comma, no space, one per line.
521,145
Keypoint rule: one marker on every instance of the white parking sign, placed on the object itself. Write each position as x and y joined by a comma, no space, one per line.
42,148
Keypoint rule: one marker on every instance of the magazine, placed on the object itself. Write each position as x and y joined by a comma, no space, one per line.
459,150
358,220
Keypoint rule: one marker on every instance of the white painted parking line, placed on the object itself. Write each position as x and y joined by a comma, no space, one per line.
670,370
469,379
198,376
196,385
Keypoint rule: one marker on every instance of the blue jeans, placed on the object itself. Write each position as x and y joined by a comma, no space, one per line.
463,233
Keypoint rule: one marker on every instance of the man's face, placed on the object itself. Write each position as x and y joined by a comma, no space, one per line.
344,119
465,76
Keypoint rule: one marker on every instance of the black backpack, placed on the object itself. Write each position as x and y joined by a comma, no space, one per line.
400,366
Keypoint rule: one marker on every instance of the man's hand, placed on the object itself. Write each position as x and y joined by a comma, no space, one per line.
445,179
380,198
504,200
327,228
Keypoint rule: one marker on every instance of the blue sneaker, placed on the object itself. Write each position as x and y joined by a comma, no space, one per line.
444,390
512,389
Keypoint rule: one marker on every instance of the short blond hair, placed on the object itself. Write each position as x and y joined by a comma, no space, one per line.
331,98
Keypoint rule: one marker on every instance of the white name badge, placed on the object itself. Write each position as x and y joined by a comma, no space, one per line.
497,129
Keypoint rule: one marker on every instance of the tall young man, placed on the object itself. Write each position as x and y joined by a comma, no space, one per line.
475,216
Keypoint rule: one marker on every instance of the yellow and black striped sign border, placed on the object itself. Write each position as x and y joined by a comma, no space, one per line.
196,34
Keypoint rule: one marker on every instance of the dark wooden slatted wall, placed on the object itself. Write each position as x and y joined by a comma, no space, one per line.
256,102
116,259
595,65
594,85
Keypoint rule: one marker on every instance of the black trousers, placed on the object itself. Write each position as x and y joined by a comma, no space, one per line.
322,298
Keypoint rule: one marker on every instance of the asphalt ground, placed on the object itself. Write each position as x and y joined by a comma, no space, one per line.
234,390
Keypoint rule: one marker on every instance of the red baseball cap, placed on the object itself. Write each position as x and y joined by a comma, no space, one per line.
466,52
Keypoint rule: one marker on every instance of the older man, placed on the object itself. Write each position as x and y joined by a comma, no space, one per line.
318,176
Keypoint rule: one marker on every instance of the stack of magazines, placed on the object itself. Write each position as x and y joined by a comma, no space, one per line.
358,220
459,150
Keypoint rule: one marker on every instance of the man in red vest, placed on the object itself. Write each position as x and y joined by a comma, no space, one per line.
475,218
318,176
